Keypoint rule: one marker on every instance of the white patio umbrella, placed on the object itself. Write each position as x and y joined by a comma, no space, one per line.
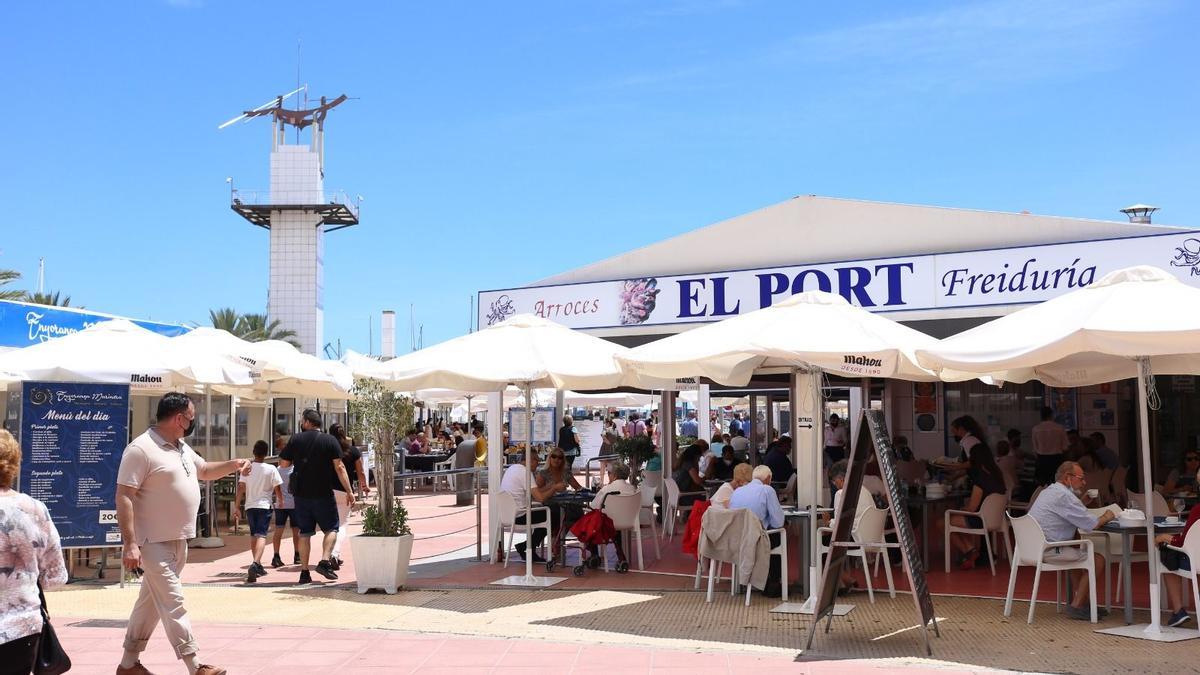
278,367
814,331
526,351
1134,322
120,351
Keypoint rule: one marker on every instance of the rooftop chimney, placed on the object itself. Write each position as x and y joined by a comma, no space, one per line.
1139,213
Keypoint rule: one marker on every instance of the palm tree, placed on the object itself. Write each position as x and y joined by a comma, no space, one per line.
252,327
7,277
52,299
225,318
256,328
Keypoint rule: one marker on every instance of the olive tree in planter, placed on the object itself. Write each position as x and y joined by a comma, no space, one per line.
382,551
635,451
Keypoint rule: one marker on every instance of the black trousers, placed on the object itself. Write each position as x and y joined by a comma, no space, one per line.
1046,466
17,657
537,536
834,454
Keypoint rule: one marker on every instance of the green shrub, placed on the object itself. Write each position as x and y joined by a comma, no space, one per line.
378,524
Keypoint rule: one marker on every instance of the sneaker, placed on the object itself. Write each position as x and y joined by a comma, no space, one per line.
135,669
335,563
296,559
325,570
276,562
1085,613
262,571
209,670
305,577
1178,618
252,574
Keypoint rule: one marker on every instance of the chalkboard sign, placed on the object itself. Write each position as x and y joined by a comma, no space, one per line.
873,435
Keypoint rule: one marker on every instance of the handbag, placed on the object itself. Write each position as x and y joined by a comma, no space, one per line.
51,658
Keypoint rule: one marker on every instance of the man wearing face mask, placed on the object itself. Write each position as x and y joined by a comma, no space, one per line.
158,496
1060,512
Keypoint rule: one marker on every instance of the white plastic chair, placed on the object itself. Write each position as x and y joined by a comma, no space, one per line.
779,551
717,571
673,511
991,511
625,511
1031,551
874,485
647,515
867,538
1191,547
1137,500
506,506
446,465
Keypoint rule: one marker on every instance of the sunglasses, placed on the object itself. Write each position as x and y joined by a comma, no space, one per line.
557,456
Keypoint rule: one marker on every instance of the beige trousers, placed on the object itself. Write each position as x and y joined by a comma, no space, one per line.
161,599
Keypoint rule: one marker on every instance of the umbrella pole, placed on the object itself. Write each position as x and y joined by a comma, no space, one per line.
1144,374
529,493
211,541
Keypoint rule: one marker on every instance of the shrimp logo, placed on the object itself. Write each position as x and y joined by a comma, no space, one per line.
638,299
1188,255
500,309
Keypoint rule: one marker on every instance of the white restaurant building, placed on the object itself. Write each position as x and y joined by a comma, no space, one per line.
938,270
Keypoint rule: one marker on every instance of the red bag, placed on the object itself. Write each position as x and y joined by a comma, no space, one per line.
691,531
594,528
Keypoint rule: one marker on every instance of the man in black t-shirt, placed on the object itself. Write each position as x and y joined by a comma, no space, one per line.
317,460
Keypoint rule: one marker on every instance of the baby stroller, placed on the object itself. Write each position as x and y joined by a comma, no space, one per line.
595,529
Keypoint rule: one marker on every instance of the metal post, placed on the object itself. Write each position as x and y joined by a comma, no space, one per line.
1144,375
478,478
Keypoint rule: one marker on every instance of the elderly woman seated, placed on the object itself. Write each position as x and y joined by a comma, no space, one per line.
742,474
618,482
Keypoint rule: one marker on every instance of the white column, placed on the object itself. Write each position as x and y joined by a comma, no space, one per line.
495,458
560,407
704,412
858,402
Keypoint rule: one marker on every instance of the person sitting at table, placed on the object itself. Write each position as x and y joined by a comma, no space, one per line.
722,469
1106,456
986,479
1060,512
412,444
1183,478
1174,560
742,473
758,496
837,476
516,483
778,457
687,474
557,472
618,482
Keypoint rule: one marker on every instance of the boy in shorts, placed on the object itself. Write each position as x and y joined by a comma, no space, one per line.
257,488
284,518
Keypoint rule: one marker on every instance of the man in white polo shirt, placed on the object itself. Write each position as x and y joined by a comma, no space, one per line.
158,497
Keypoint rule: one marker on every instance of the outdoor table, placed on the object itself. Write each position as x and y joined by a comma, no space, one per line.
423,462
925,502
569,505
1127,534
794,513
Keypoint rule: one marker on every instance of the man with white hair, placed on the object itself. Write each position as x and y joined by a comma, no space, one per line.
763,502
1060,512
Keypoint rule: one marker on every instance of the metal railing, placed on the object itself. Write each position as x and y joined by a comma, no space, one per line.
478,473
287,197
587,466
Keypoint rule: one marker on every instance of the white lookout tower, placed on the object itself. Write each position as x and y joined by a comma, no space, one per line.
299,213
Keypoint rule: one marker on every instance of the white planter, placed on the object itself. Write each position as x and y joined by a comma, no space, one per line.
381,562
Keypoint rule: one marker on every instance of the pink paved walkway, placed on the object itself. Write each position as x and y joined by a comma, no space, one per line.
248,650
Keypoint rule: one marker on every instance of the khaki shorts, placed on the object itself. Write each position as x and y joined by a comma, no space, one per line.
1066,554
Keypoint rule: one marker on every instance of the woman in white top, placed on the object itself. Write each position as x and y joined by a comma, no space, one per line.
31,556
742,474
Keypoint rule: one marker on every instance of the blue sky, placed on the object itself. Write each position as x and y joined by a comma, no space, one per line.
499,143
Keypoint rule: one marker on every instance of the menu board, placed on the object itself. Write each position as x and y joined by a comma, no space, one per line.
72,437
873,435
544,426
591,436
